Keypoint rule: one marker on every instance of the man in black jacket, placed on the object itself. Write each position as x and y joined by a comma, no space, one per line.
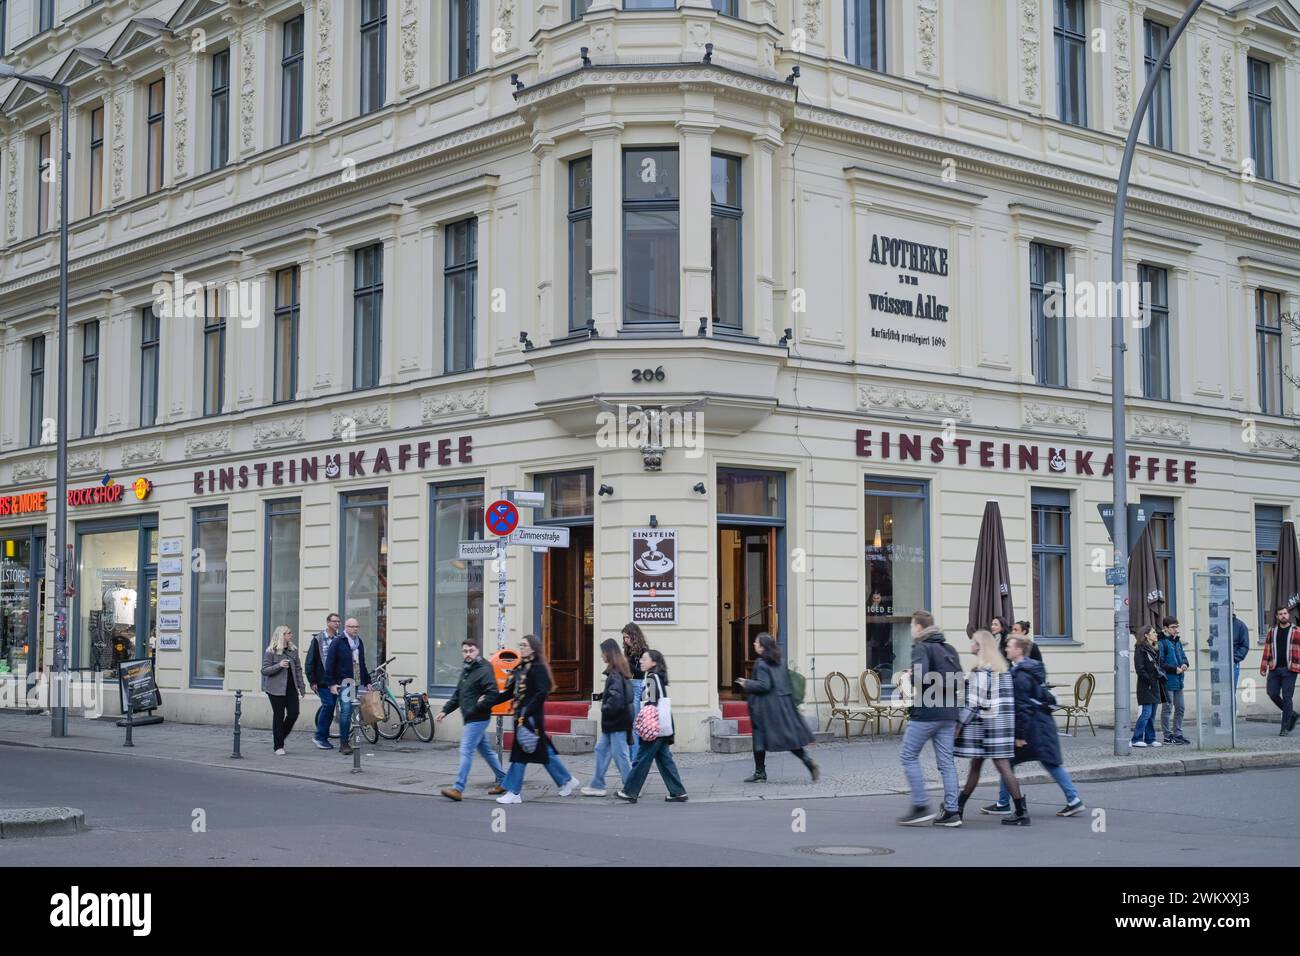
476,681
937,685
317,654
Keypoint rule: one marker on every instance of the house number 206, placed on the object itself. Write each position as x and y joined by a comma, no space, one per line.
648,375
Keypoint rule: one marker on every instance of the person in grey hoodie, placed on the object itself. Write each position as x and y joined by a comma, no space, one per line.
937,683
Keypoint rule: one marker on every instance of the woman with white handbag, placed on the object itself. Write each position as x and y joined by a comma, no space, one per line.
654,727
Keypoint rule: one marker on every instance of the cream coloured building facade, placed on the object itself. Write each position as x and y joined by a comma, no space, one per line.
430,240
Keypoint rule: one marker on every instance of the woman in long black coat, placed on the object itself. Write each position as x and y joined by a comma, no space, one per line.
778,724
1150,687
530,683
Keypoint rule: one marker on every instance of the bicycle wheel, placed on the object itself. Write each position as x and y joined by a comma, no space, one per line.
390,726
424,728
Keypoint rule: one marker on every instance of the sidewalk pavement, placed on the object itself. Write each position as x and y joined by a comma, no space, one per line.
861,766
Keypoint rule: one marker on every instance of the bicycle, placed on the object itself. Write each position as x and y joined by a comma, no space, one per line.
412,710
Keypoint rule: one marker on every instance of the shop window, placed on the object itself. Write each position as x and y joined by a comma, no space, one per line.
457,612
1048,314
22,604
897,535
281,583
651,241
220,109
1260,77
374,26
460,285
727,259
1160,115
291,67
1268,538
1154,294
752,493
364,566
1050,536
367,315
864,33
150,329
208,586
286,334
579,243
115,561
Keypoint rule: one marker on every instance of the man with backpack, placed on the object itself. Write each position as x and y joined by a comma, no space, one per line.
1173,661
938,687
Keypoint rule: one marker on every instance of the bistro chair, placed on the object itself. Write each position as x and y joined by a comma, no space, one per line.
837,692
1083,689
870,683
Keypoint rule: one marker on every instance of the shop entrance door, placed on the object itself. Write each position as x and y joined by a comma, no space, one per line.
747,599
568,614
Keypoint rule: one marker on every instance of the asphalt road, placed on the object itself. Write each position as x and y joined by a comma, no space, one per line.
142,811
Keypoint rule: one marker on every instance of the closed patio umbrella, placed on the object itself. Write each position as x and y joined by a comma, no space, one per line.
990,586
1287,581
1146,592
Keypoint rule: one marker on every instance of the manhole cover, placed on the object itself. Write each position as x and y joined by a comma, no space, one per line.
846,850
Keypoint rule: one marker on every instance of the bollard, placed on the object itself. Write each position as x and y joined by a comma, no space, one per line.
354,734
239,702
130,723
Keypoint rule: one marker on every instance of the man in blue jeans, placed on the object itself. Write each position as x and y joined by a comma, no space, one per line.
476,681
346,663
317,654
936,682
1240,649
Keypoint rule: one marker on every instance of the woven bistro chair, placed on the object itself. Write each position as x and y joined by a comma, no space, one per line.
870,683
837,692
1083,690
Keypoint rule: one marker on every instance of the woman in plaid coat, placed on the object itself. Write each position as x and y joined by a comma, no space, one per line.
987,725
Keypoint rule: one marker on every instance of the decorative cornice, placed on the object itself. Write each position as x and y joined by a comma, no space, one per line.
471,401
279,431
1073,418
148,452
85,460
938,404
207,443
33,469
349,422
1153,426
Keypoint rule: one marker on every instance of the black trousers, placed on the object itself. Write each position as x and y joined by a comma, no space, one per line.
284,713
1281,691
760,758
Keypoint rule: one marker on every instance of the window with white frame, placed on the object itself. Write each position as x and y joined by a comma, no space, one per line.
220,110
1154,298
374,27
291,71
864,33
1260,99
1071,33
1268,339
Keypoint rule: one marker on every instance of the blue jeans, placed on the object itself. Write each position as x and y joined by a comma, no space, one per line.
346,701
940,734
611,746
656,752
325,715
514,781
638,687
473,738
1058,773
1145,728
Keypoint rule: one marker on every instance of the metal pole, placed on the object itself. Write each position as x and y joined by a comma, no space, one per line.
130,722
59,712
1119,449
239,701
501,628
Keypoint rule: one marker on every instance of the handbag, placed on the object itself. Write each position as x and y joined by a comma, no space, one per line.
527,737
372,707
647,722
665,707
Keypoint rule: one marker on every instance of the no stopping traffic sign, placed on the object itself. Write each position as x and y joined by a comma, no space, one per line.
501,518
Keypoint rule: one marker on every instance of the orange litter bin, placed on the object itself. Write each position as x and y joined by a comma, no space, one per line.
503,662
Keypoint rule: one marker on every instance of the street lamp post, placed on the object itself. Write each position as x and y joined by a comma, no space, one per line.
1119,428
58,704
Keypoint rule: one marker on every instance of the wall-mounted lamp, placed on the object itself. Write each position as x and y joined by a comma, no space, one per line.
699,488
794,75
708,53
591,329
785,339
525,341
517,83
654,521
586,60
704,326
605,490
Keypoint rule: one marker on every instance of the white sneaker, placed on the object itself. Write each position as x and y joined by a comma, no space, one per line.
1156,743
1137,743
280,752
569,787
508,797
594,792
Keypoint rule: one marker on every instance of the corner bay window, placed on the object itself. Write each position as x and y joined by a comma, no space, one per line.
651,244
898,569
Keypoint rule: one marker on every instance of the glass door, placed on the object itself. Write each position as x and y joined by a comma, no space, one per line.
746,599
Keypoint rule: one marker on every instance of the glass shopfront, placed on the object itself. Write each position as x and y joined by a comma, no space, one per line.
898,570
22,600
364,577
116,561
457,610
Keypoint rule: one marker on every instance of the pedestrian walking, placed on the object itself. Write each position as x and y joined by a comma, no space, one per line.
476,682
634,648
938,685
346,664
1150,687
284,684
1280,666
986,729
1240,646
617,711
1036,734
777,723
530,684
1003,631
655,750
1173,663
317,653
